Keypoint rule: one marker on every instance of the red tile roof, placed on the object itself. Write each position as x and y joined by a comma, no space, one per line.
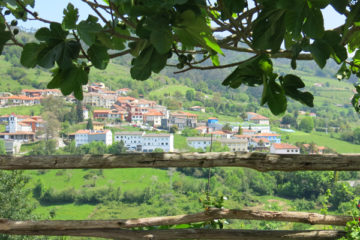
284,146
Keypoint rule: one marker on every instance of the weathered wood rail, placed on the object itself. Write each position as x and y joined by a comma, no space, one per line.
186,234
211,214
258,161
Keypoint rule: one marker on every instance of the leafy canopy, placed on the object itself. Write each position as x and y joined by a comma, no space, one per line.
154,31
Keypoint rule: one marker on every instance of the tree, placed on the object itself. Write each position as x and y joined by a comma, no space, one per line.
306,124
174,129
89,124
117,148
288,119
240,130
190,95
79,111
159,33
2,147
227,128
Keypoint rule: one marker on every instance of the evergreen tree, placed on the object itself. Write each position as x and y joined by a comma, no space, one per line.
79,111
89,124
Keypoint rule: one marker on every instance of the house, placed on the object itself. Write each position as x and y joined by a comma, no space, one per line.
199,142
314,149
180,119
153,118
158,141
98,126
141,142
18,130
235,144
123,91
259,144
272,137
87,136
132,140
99,100
197,109
41,92
257,118
258,128
110,114
284,148
202,129
23,100
85,113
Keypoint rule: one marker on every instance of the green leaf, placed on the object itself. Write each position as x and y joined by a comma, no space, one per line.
71,15
215,60
314,24
161,38
339,5
275,96
269,30
30,54
4,37
98,56
192,30
70,51
291,84
54,33
320,51
320,3
88,29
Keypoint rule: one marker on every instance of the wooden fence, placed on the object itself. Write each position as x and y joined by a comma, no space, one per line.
121,229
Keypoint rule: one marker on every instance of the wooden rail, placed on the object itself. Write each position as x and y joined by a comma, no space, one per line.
259,161
211,214
179,234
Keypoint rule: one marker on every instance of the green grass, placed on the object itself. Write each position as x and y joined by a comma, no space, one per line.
321,140
28,147
170,90
66,211
222,118
22,110
180,142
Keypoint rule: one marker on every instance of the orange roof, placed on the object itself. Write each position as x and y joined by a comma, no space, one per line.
102,111
259,117
267,135
126,99
265,140
321,148
201,127
284,146
184,113
153,113
218,133
28,120
20,97
212,118
242,136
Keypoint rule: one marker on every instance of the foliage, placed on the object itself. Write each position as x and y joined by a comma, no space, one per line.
89,124
2,147
14,198
117,148
174,129
158,33
353,227
227,127
306,124
189,132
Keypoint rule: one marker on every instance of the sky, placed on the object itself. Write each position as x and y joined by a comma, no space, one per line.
53,10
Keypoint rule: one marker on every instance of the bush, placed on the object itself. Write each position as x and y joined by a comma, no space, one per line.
303,205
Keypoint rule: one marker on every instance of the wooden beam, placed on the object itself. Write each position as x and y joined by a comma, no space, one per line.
178,234
211,214
259,161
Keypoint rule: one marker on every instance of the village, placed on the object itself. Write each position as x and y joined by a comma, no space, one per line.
155,123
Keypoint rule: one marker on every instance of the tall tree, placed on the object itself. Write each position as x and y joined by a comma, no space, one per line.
89,124
79,111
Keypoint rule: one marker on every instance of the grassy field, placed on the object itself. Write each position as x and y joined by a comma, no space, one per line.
170,90
222,118
22,110
321,140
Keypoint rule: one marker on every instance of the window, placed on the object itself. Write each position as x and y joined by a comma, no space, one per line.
288,150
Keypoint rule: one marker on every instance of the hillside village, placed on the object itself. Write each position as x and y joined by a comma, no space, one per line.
155,124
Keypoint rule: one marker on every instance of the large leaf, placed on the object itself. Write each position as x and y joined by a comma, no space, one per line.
269,30
4,36
291,85
274,95
192,30
314,24
30,54
71,15
88,30
98,56
339,5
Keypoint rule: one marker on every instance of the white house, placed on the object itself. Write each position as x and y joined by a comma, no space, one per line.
235,144
141,142
257,118
153,117
199,142
85,113
158,141
284,148
87,136
132,140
